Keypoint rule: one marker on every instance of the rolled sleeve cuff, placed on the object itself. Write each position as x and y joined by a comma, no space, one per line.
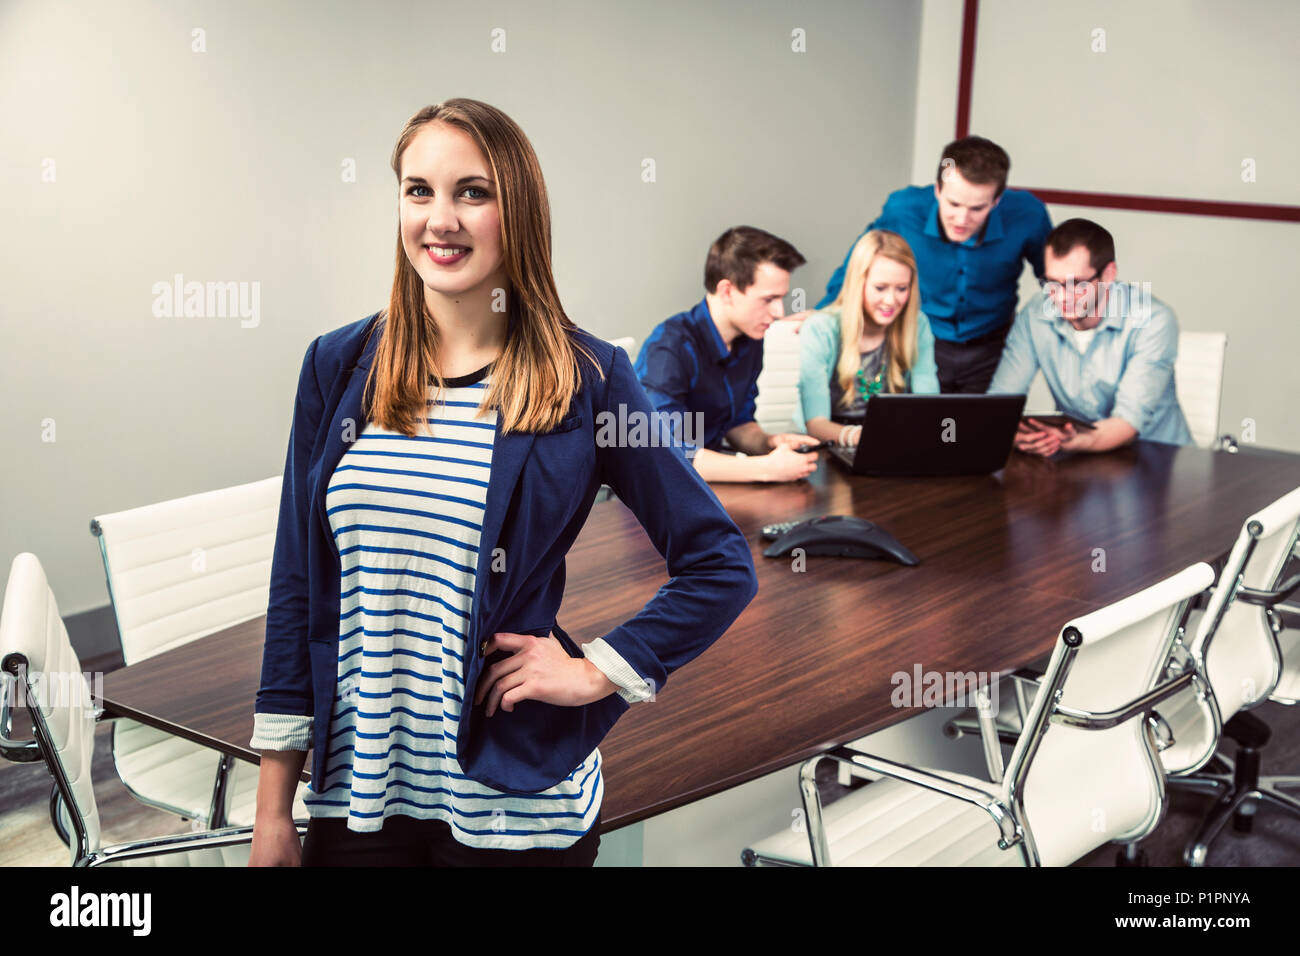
281,732
1137,415
631,687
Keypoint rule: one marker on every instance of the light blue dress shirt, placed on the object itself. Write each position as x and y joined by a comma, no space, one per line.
1126,371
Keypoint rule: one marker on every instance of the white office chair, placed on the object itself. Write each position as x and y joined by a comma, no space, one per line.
1094,779
178,570
1245,658
37,657
777,406
1198,382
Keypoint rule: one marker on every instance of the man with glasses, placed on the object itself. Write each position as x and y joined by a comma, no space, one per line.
1106,349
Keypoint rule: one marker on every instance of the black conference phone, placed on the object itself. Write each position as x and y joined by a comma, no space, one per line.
839,535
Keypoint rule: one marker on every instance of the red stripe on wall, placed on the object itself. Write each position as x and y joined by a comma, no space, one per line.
1189,207
1069,197
970,13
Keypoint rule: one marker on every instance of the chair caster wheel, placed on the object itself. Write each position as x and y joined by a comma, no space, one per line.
1243,822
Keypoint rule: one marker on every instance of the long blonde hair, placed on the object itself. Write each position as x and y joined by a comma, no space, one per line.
900,335
537,373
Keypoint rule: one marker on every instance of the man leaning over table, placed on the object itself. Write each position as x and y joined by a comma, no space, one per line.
972,237
1106,350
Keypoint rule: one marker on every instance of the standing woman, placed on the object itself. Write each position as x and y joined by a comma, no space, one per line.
874,338
442,459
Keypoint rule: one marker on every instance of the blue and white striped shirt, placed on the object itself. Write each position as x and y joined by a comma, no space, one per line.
407,514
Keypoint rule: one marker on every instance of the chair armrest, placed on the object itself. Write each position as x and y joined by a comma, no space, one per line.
1009,833
1269,599
19,751
1089,720
1026,675
180,843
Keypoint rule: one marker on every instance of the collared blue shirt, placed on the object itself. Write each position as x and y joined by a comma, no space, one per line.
968,289
1126,372
684,367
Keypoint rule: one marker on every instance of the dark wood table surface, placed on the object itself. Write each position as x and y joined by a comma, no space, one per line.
1006,560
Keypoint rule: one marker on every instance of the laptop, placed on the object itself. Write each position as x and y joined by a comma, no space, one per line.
934,435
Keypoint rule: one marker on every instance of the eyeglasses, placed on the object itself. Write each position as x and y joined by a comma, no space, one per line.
1074,288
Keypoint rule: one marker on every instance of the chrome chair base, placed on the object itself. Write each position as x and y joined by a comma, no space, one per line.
1237,800
1236,804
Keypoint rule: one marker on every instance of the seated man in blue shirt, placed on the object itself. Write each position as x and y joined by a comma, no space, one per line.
971,237
1106,349
703,365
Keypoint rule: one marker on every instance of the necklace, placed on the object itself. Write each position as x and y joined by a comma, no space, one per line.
868,388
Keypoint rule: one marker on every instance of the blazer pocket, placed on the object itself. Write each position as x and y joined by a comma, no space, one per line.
542,630
568,643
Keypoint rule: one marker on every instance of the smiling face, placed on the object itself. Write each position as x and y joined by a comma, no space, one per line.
886,290
963,206
450,220
753,311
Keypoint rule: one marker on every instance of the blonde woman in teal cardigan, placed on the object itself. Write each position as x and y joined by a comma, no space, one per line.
874,338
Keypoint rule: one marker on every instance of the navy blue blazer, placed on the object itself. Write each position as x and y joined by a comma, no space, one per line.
540,491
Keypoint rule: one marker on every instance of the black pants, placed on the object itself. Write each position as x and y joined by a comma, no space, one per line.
969,366
406,841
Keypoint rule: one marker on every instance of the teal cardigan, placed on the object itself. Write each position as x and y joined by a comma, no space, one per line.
819,350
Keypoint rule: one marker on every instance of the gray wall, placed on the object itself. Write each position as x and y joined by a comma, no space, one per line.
226,166
1175,97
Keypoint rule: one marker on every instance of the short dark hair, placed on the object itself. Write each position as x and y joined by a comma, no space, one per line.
979,160
1083,232
737,253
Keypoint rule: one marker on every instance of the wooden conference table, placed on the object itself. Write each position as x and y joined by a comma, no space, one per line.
1006,560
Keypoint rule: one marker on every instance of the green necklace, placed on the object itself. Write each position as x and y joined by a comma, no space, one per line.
867,389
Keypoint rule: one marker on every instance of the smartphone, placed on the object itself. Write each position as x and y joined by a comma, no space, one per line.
804,449
1059,419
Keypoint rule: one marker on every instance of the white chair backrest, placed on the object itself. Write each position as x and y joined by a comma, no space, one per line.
777,405
1083,787
1241,657
1198,382
30,625
187,567
627,344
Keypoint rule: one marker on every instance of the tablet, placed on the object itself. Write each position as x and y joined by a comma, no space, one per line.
1059,419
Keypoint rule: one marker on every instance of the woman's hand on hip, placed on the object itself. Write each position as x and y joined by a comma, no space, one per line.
538,668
